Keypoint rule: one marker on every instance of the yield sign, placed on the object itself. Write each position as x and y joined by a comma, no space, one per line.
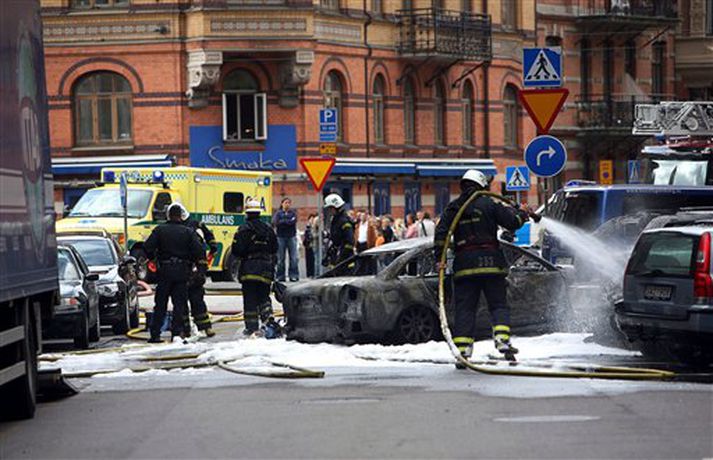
543,105
318,169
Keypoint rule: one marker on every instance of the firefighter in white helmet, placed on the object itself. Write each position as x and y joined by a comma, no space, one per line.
341,231
479,265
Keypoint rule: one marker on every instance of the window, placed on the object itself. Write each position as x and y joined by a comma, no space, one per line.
244,108
98,3
102,109
709,17
163,201
95,251
409,111
377,6
672,254
439,113
233,202
630,58
466,6
329,4
608,68
585,69
106,202
378,109
333,97
467,103
510,114
65,266
658,69
382,198
508,11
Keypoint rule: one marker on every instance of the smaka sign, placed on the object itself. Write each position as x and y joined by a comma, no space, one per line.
279,154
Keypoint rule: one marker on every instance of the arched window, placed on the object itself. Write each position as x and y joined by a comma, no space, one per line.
378,109
244,108
439,113
468,103
510,113
333,97
102,109
409,112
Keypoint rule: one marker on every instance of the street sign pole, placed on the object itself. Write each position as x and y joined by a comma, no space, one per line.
124,192
318,255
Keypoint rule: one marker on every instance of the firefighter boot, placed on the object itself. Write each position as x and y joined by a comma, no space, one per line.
501,337
465,346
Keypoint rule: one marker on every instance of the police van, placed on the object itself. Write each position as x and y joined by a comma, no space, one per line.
215,196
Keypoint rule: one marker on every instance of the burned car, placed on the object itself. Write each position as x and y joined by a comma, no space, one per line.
389,294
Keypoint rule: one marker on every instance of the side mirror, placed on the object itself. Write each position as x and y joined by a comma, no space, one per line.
129,260
93,277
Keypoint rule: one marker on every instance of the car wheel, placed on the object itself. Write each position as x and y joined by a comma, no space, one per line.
134,318
19,397
95,332
82,340
123,325
416,324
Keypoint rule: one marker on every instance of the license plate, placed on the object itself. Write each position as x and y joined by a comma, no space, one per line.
652,292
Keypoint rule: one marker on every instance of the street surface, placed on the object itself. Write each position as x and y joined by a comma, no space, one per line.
374,401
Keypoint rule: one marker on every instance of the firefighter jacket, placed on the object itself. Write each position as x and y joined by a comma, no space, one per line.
208,236
475,239
173,241
341,235
255,245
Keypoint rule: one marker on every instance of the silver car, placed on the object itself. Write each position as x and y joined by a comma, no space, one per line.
667,308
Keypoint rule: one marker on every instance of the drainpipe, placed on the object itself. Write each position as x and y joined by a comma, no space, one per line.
486,96
366,93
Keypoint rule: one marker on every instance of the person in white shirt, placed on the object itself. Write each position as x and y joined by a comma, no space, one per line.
426,227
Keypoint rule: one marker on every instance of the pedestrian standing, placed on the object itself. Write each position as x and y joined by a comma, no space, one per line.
365,234
426,227
255,246
387,230
196,282
341,231
308,241
176,248
411,228
479,264
285,223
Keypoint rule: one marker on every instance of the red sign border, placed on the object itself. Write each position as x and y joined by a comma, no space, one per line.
543,129
319,187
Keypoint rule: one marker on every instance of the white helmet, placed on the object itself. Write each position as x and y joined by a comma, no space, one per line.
333,200
184,212
253,206
476,176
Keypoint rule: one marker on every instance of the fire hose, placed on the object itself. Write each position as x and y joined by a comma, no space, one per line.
519,368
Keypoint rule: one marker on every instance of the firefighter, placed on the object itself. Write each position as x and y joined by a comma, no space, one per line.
341,230
176,248
255,246
479,264
196,292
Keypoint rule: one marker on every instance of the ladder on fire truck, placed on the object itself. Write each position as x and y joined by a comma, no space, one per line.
694,119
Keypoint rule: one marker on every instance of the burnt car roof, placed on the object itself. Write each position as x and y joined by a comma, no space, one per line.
399,246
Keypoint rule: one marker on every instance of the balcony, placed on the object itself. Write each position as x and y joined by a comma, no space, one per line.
625,15
439,33
600,115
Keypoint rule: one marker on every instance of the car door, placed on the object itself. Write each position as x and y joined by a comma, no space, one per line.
90,288
429,277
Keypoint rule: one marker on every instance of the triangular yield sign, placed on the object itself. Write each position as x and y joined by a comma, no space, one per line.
318,169
543,105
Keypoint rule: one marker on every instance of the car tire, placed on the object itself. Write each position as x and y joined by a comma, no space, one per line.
416,324
82,340
122,326
134,318
18,398
95,331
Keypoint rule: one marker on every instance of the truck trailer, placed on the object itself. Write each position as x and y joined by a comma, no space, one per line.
28,256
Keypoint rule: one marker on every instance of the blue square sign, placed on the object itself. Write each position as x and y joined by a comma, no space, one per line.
517,178
542,67
327,137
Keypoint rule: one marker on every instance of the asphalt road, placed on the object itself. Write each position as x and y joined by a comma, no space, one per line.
280,420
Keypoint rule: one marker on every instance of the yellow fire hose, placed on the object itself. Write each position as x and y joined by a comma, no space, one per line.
575,371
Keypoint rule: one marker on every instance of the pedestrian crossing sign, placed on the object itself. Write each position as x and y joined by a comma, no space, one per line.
634,171
517,178
542,67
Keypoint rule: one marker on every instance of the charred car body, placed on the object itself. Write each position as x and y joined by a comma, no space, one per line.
389,294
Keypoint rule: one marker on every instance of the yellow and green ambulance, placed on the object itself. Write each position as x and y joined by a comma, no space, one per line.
214,196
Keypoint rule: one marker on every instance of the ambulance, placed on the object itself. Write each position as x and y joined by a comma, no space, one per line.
215,196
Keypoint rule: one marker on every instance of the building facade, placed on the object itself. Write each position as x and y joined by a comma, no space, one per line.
423,90
694,50
616,53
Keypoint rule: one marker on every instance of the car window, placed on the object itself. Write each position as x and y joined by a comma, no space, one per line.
521,261
95,252
635,202
65,267
664,253
581,210
233,202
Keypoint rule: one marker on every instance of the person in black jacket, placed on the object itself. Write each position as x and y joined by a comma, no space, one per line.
308,243
176,248
341,231
196,292
255,246
479,264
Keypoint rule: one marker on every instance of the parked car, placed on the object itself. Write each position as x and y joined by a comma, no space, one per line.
77,314
389,294
117,285
667,307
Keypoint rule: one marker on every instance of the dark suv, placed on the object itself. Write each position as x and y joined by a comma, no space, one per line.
668,293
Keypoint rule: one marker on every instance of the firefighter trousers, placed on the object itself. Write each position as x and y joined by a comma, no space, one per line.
467,292
256,304
199,309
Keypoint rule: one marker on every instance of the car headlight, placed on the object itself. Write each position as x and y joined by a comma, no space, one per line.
108,290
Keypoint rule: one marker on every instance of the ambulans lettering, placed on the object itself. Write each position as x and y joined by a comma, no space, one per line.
218,219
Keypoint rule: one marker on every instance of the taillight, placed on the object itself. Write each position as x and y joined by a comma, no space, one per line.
702,282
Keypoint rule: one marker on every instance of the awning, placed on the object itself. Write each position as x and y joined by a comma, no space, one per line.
420,167
94,164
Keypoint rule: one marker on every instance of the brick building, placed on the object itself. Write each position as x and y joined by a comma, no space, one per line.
694,50
424,90
617,53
